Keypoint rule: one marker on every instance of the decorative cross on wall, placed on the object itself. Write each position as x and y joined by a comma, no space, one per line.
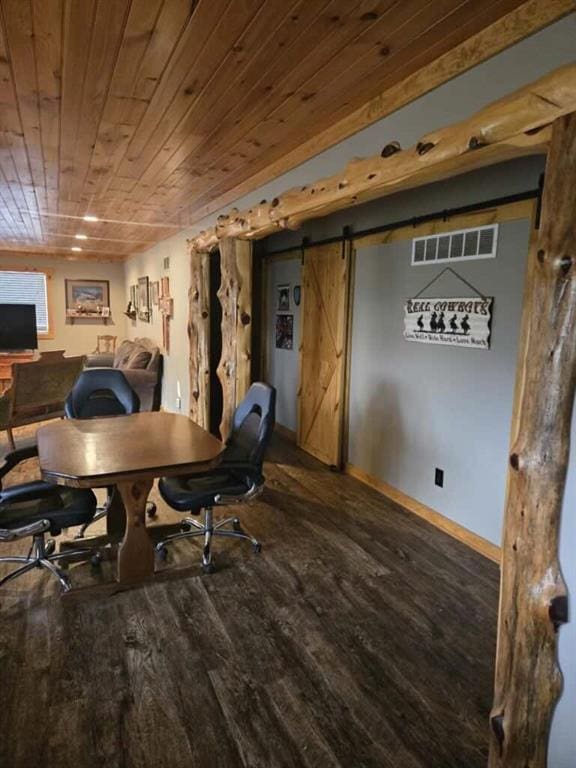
166,307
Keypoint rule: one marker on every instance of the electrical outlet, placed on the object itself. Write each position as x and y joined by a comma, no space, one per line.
439,477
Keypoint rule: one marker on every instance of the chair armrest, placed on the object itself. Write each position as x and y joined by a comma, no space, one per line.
100,360
33,491
27,449
223,499
11,534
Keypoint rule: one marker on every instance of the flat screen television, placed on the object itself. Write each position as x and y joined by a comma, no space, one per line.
18,327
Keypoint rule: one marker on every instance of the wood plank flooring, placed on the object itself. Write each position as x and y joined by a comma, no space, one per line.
359,637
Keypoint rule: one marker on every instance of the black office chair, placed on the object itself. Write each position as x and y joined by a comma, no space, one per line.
35,509
236,480
101,392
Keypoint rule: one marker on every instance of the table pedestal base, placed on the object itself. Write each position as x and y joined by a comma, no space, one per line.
136,553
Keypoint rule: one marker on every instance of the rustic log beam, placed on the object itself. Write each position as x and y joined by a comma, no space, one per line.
533,600
521,22
508,128
235,296
199,337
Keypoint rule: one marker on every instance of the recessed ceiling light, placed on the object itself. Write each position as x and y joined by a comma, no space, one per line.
76,248
81,237
90,218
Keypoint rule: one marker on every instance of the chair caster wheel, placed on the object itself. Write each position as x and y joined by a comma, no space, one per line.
184,526
162,553
151,509
50,547
208,567
257,548
96,560
237,526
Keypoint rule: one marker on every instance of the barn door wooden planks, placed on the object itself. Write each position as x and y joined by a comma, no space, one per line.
235,295
325,277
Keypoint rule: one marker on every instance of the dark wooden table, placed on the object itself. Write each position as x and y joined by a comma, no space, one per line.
126,452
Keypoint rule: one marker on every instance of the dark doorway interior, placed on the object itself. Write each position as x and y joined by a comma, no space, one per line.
215,345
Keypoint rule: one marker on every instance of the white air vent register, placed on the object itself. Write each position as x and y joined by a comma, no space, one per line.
462,245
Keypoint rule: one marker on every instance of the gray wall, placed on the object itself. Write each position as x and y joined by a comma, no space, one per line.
562,752
282,364
414,407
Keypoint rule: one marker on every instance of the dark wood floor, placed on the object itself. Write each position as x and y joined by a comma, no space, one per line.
359,637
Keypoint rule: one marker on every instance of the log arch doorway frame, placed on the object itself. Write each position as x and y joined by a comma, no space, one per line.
514,126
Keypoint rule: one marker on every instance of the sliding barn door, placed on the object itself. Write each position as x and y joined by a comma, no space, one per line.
325,276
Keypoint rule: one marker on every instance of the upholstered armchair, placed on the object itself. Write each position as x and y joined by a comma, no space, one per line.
141,363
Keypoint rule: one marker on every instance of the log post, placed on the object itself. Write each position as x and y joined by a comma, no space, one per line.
235,296
533,602
199,337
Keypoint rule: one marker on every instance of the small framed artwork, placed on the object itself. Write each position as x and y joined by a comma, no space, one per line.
165,286
87,298
283,292
284,331
143,299
154,292
297,295
134,296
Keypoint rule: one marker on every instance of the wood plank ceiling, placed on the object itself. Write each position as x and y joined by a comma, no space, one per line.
142,112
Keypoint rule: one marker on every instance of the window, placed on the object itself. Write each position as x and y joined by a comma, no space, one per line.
477,243
19,286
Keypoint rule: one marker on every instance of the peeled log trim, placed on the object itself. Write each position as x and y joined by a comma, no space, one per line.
505,129
533,600
199,337
519,23
235,296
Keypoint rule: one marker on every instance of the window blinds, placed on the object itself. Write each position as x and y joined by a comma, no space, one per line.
26,288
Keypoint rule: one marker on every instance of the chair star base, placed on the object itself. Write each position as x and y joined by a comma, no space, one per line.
42,555
208,529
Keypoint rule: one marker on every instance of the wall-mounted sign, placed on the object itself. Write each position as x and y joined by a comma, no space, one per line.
458,322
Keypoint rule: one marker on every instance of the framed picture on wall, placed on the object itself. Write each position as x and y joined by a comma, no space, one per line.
87,298
154,292
143,299
283,292
284,331
134,296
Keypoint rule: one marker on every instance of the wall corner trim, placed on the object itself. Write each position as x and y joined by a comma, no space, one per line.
471,539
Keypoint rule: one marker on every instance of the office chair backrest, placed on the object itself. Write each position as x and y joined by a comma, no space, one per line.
252,426
101,392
